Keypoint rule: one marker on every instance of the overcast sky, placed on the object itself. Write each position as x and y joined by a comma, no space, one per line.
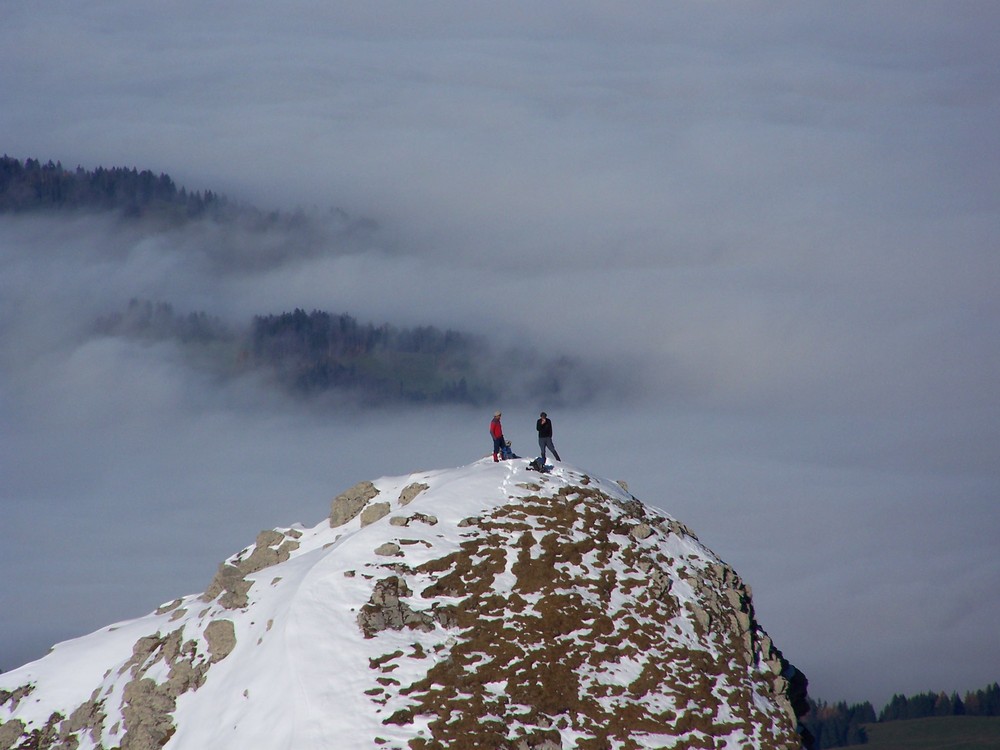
779,220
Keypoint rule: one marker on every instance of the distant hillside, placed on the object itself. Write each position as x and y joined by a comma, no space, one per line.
30,185
153,202
940,733
307,354
310,355
316,352
841,725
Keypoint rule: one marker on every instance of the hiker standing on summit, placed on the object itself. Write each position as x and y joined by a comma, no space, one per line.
496,432
544,427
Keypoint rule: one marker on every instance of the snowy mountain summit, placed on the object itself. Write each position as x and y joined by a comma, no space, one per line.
486,607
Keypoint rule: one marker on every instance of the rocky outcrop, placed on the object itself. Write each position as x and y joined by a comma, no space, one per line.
162,667
272,547
14,735
541,612
416,517
12,697
11,732
386,610
147,704
221,637
347,505
373,513
147,710
233,586
590,591
410,491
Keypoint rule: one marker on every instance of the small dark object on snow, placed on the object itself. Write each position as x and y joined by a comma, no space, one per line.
537,465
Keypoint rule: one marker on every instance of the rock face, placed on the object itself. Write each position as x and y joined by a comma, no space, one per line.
483,608
590,601
349,504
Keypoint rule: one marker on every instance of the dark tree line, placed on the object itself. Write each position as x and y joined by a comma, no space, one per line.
309,354
316,353
324,333
840,725
263,239
304,353
32,186
319,351
985,702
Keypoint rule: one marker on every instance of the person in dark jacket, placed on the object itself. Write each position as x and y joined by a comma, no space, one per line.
544,427
496,432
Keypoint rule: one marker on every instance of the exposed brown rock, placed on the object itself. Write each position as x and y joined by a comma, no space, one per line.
13,697
410,491
349,504
386,611
272,547
231,582
147,712
221,637
545,639
11,732
373,513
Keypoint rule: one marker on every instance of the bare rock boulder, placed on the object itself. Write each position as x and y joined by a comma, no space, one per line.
349,504
410,491
374,512
221,637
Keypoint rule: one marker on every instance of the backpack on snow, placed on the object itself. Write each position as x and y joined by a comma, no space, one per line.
537,465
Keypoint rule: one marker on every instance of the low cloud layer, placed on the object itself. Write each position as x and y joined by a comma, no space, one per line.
776,221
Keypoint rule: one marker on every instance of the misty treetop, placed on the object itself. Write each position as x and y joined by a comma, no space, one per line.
158,321
33,186
310,355
228,236
317,354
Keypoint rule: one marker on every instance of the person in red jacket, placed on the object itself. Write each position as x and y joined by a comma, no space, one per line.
496,432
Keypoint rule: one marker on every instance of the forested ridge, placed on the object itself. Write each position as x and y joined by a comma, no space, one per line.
320,353
31,185
840,724
307,354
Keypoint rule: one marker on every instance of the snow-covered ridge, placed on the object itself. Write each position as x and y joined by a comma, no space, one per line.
487,606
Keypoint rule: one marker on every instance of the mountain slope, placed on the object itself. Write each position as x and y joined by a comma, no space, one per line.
482,607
